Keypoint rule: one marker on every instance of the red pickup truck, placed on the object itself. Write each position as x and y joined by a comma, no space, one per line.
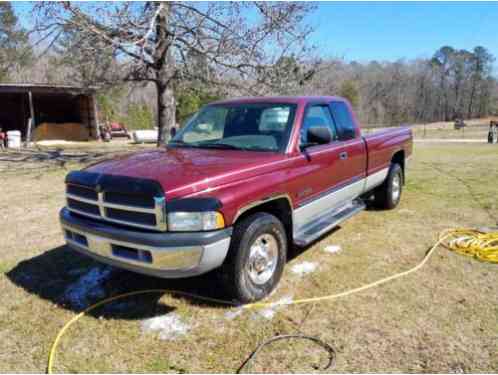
243,181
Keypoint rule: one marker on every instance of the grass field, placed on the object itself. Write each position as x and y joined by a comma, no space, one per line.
442,319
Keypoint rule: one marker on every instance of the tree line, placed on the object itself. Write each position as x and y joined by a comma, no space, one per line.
451,84
161,61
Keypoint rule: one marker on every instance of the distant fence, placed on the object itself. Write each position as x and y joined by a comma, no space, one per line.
435,130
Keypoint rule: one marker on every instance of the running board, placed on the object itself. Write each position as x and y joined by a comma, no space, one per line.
328,221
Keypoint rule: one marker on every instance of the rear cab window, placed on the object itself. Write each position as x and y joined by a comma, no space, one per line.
346,127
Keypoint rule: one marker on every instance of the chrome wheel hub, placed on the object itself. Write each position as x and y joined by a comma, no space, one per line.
396,188
263,258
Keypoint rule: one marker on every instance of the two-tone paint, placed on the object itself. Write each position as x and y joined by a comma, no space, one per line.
316,178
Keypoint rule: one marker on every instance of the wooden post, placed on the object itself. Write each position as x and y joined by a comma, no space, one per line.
31,122
88,116
95,118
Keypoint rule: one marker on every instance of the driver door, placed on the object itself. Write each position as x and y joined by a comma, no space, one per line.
317,170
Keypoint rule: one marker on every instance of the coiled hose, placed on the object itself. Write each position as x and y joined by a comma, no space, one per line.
469,242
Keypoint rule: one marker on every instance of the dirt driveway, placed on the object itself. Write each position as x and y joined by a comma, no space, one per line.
442,319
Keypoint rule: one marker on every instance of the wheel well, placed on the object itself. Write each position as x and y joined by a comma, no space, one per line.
399,158
280,208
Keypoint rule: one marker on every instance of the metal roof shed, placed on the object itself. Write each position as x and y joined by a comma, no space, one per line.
43,111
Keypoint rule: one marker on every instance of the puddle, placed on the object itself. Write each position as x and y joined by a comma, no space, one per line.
76,271
88,287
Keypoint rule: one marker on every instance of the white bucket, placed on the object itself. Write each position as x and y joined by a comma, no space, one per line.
145,136
14,139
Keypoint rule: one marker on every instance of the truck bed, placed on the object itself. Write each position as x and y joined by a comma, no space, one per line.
382,144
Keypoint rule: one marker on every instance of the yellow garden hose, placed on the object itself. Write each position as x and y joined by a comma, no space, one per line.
477,244
470,242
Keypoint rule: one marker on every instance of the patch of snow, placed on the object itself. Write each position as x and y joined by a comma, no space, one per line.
332,249
303,268
270,311
87,287
169,326
232,314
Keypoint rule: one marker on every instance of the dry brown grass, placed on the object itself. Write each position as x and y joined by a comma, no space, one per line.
442,319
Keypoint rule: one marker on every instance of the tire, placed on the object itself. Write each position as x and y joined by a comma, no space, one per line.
256,258
388,195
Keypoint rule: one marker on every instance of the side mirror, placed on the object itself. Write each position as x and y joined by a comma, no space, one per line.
172,132
319,135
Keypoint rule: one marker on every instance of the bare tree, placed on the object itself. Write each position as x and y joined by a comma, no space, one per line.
238,43
454,83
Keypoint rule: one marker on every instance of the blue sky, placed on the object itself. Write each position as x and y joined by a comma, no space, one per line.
364,31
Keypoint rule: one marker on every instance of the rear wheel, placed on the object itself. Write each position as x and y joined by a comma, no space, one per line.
388,195
256,258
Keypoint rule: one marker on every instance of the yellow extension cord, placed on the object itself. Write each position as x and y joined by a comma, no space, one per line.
469,242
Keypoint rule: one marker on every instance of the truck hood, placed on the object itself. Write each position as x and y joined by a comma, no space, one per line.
184,171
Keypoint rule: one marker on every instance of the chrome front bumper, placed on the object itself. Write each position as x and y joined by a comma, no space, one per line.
167,255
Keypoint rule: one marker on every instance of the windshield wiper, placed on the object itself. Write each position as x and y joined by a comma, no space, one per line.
256,148
218,145
180,143
223,146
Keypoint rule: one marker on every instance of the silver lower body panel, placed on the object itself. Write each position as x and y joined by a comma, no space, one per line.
165,262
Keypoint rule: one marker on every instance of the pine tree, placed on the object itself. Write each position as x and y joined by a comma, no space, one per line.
15,50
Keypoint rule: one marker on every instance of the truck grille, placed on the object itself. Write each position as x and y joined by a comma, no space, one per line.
138,210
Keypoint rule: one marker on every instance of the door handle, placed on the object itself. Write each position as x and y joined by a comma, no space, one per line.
343,155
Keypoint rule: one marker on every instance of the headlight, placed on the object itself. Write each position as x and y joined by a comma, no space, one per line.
195,221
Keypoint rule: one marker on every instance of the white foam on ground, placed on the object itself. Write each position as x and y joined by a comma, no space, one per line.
88,287
270,311
332,249
304,267
232,314
169,326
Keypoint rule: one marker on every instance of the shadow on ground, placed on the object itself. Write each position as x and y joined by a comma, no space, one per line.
73,281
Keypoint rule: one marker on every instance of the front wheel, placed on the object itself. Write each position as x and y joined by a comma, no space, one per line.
256,258
388,195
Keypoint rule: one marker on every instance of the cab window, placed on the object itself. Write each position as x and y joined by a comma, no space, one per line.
342,117
316,116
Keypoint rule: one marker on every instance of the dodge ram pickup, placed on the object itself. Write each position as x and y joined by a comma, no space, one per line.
234,189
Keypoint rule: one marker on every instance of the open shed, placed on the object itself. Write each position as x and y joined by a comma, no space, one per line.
49,112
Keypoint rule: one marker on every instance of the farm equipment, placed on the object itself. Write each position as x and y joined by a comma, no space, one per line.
459,124
493,132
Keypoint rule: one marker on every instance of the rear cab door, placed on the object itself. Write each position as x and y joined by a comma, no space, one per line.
326,175
353,152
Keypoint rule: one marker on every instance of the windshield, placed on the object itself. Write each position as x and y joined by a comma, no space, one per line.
253,127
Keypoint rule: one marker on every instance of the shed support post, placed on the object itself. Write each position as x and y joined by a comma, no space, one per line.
31,121
96,118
